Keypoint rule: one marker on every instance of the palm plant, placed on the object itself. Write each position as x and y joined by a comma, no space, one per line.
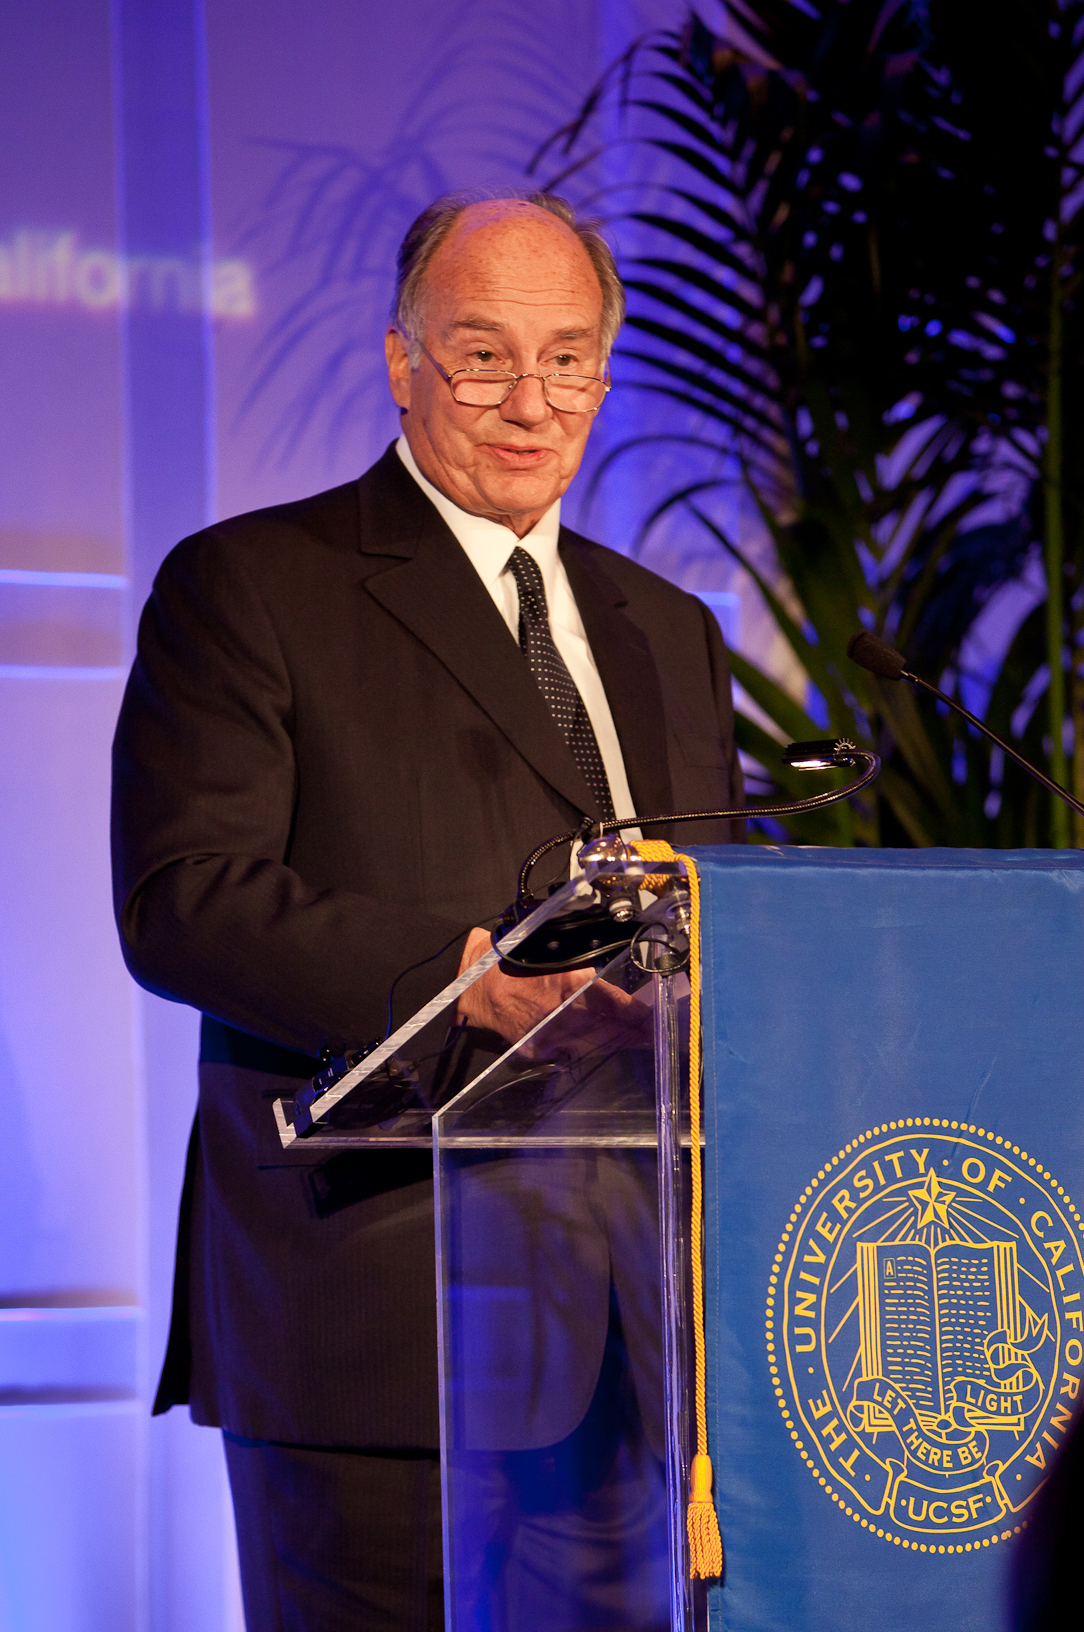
861,281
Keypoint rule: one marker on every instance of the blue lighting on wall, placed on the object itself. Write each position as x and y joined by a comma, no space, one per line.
62,580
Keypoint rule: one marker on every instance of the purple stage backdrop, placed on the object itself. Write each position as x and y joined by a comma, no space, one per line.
176,346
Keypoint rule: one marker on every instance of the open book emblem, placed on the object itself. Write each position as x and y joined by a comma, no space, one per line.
926,1333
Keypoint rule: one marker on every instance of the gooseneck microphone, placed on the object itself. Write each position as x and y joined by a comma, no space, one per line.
800,756
590,936
872,653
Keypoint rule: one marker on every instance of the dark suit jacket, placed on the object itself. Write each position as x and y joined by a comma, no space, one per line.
331,757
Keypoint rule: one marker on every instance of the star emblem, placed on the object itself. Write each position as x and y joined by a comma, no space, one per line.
932,1201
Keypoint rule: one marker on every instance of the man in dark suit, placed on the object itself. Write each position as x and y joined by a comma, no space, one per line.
349,720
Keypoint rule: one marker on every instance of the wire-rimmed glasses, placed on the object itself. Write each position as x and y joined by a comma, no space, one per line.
489,387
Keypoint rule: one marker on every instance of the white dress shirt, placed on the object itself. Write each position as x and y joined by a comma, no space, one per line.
488,546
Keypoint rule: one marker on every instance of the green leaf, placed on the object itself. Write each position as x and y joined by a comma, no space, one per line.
776,703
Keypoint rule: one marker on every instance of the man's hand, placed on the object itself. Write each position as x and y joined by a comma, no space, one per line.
506,1004
512,1005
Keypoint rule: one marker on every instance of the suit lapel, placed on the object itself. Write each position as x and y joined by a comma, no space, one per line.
629,675
433,590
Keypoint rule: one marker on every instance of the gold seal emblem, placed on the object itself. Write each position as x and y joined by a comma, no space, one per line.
925,1330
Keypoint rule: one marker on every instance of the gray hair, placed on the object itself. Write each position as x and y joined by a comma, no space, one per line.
425,236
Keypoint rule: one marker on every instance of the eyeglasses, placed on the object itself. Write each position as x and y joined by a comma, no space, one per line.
488,388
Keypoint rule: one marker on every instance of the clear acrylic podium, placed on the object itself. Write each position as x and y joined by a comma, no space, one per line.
561,1193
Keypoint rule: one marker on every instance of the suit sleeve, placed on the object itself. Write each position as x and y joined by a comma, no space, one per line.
724,708
204,791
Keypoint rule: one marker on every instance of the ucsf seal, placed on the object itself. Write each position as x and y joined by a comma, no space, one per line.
925,1331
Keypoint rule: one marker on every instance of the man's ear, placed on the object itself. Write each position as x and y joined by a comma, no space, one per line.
399,370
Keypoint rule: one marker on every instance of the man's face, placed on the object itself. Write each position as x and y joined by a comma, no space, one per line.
510,288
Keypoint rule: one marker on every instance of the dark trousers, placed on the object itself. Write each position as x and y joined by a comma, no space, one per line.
336,1541
569,1536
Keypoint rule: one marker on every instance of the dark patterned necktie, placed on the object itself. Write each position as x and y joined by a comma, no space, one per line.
554,681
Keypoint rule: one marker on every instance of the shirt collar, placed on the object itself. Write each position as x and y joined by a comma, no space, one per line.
487,544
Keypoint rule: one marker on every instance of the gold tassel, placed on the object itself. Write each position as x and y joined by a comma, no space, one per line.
705,1542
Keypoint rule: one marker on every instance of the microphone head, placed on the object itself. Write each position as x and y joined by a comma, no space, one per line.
876,655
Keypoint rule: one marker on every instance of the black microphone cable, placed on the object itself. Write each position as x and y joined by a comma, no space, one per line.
421,963
832,753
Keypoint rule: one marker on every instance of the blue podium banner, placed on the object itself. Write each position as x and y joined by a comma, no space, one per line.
894,1115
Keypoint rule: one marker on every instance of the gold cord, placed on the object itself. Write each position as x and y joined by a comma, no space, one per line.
705,1542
